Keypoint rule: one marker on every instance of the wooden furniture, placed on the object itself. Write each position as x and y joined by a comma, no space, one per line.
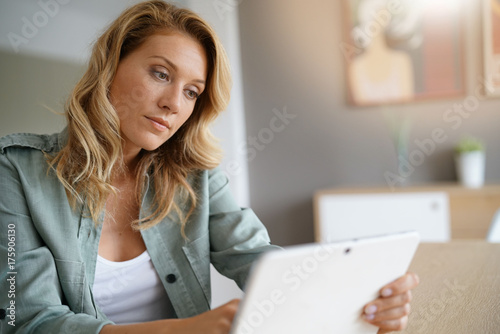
459,289
471,210
352,216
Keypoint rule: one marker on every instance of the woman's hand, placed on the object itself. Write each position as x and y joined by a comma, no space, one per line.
216,321
390,311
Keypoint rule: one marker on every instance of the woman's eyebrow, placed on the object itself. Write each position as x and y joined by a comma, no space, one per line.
166,60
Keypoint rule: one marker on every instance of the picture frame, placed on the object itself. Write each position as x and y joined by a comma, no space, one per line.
491,42
403,51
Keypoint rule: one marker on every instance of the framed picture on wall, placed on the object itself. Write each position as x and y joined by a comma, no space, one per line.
400,51
491,21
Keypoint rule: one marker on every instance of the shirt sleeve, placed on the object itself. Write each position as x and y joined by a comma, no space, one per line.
30,292
237,236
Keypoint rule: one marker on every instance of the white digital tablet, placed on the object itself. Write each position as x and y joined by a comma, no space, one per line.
322,288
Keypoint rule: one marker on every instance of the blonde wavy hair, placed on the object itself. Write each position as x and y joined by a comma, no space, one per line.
93,153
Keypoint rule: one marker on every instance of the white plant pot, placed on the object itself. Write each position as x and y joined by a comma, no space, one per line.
470,168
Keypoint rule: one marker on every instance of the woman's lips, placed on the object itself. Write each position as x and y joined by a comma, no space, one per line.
159,123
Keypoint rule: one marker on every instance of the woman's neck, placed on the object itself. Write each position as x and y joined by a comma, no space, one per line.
128,168
131,158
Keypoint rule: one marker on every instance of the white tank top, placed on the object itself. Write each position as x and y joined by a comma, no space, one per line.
131,291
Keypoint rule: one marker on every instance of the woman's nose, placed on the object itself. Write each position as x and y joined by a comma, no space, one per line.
171,98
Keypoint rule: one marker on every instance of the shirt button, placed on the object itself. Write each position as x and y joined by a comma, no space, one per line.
171,278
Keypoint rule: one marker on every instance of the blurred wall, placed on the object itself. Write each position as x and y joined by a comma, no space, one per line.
31,89
304,136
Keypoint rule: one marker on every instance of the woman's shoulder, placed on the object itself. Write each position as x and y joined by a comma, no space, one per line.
42,142
208,181
209,176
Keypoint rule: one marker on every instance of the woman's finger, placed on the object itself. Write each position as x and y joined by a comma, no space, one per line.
390,314
392,325
383,304
401,285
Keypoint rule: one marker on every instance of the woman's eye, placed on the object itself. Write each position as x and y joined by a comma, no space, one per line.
161,75
192,94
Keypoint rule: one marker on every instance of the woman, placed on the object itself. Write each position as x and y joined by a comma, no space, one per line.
117,218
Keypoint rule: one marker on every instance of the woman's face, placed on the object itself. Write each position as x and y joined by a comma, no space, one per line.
155,89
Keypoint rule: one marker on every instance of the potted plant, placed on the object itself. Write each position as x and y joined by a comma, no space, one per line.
470,162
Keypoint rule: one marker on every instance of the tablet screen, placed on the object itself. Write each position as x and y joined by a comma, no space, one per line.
322,288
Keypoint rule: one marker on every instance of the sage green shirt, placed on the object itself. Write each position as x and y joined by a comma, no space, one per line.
48,251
